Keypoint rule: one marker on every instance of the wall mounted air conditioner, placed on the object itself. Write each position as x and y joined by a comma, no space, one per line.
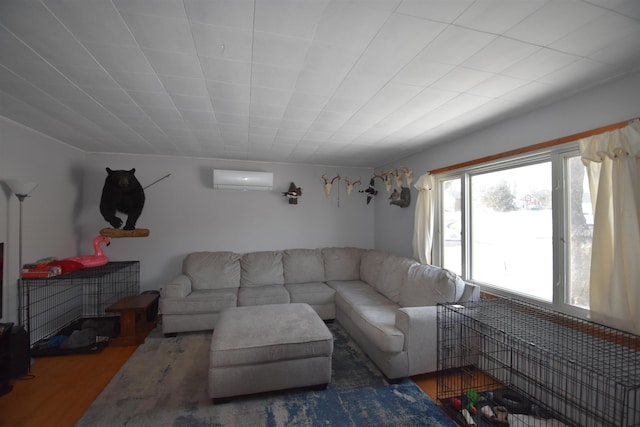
242,180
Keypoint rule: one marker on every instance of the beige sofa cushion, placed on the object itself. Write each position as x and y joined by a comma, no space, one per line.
342,263
212,270
427,285
203,301
303,265
370,265
261,268
263,295
392,276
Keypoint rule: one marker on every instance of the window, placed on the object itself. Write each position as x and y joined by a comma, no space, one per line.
506,226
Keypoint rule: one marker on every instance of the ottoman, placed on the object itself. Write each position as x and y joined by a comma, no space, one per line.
255,349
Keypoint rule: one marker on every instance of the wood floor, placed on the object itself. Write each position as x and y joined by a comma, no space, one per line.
59,389
62,388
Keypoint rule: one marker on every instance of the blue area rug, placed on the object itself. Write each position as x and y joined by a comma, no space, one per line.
164,383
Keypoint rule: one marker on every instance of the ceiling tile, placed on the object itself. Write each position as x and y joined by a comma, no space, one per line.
500,54
161,34
159,8
422,72
225,13
222,42
274,77
273,49
291,17
128,59
137,81
199,103
607,30
437,10
461,79
455,45
92,21
539,64
553,21
482,16
184,86
225,71
497,86
221,91
174,64
349,24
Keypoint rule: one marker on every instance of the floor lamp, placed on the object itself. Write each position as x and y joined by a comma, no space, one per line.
21,189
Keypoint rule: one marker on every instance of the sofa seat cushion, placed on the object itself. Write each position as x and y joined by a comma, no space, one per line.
358,293
342,263
212,270
303,265
261,295
313,293
347,284
378,324
200,301
261,268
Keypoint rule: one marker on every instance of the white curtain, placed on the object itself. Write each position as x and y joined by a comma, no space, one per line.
423,222
612,160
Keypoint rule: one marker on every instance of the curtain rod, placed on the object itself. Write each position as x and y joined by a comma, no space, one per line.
535,147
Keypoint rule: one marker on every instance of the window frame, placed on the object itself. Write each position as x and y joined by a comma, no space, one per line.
557,155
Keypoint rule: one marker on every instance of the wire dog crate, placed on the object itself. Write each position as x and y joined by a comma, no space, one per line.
49,305
550,365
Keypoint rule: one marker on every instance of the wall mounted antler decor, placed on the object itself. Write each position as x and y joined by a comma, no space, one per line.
328,183
403,177
350,185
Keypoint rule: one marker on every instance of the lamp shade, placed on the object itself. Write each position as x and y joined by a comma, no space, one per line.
21,187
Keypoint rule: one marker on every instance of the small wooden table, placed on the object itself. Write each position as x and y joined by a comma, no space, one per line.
134,325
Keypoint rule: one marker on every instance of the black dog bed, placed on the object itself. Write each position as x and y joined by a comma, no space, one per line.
78,338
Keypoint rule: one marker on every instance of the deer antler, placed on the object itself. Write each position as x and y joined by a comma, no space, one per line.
351,184
397,175
387,180
328,184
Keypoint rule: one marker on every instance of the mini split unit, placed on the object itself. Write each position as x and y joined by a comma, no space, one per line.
242,180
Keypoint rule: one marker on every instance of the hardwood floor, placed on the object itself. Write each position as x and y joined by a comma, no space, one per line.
427,382
59,389
62,388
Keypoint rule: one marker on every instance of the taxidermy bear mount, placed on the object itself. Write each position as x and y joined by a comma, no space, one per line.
122,193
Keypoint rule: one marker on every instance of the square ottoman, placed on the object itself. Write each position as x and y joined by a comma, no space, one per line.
264,348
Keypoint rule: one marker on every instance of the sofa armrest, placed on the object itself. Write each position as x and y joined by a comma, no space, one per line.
179,287
471,292
420,328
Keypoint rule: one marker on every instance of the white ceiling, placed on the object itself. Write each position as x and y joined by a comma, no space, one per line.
337,82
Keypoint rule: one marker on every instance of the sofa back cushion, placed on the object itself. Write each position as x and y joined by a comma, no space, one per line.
303,265
261,268
342,263
430,285
370,265
212,270
392,275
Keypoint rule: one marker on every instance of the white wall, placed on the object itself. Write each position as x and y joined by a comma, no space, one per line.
49,215
184,213
612,102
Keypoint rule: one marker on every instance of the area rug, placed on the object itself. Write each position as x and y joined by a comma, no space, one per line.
164,383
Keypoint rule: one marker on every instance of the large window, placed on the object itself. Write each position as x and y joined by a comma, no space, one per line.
519,227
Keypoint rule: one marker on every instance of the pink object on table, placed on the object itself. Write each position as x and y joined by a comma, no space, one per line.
95,260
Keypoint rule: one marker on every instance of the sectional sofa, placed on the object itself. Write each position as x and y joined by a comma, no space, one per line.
387,303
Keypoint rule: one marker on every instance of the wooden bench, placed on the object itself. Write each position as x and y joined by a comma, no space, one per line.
134,322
